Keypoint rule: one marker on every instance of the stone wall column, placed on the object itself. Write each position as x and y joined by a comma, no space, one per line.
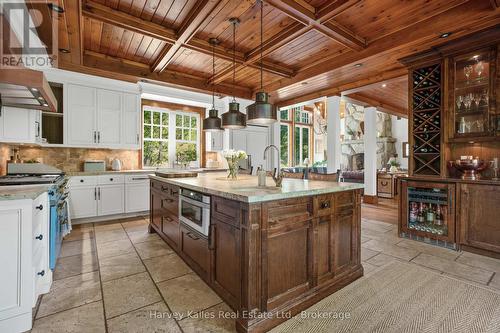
333,148
370,143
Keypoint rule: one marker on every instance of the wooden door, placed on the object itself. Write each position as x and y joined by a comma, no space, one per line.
81,115
111,199
479,216
226,267
109,118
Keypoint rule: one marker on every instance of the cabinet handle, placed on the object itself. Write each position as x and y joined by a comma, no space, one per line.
95,137
39,207
323,221
81,180
37,129
99,193
111,179
99,137
193,237
325,204
137,138
164,189
384,183
168,218
139,178
42,273
39,237
173,192
95,193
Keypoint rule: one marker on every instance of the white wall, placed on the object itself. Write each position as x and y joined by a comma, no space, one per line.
400,133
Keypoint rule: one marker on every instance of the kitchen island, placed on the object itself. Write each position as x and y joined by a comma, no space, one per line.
268,252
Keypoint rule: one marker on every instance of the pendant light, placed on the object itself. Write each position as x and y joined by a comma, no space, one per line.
234,119
213,122
261,112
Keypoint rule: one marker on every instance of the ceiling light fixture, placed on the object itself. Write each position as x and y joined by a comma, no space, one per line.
384,85
445,35
213,122
358,65
234,119
64,50
261,112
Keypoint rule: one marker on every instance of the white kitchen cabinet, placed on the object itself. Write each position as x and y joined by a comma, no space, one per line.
22,257
217,141
19,125
253,140
131,121
83,201
110,200
81,112
109,118
136,193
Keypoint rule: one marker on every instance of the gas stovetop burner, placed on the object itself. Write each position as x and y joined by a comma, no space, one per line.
29,179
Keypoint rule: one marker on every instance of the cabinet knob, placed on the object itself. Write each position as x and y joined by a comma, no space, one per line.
39,237
81,180
325,204
111,179
42,273
39,207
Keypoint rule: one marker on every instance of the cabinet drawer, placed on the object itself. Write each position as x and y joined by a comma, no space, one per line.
82,181
225,210
171,204
196,248
170,228
384,185
344,199
323,205
110,179
137,178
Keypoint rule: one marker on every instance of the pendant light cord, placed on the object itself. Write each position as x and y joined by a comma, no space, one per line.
234,59
213,75
261,41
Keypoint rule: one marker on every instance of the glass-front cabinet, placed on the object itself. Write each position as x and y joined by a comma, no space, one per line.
428,212
473,107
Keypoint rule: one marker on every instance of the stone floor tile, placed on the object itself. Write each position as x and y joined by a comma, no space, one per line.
142,236
110,235
476,260
114,248
108,225
388,236
367,253
429,249
84,319
120,266
152,249
215,319
380,260
75,265
391,249
71,292
454,268
368,268
166,267
376,226
129,293
77,247
188,293
80,234
153,318
495,282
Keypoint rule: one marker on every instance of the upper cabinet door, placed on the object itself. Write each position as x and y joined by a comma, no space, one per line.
109,118
81,115
17,125
131,121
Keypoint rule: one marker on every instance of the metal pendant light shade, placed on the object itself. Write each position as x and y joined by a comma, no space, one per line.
213,122
234,119
261,112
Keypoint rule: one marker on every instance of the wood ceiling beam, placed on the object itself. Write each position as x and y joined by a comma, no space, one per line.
120,69
495,4
363,100
75,30
330,9
374,85
200,12
334,31
474,20
337,90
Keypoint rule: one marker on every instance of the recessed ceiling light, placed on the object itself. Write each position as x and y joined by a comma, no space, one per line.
304,83
34,89
45,104
40,98
55,8
384,85
64,50
445,35
358,65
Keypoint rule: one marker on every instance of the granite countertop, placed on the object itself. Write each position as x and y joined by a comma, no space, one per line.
23,192
245,189
141,171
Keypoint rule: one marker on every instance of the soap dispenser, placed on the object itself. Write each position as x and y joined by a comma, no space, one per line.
261,175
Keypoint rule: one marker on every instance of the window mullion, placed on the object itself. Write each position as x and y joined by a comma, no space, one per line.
171,137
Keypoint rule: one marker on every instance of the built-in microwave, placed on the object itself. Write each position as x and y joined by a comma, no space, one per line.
194,210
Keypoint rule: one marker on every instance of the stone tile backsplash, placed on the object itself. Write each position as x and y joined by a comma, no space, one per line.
71,159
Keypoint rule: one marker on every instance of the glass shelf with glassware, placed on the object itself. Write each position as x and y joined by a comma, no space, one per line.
472,80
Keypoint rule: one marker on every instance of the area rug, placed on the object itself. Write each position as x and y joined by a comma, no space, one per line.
402,297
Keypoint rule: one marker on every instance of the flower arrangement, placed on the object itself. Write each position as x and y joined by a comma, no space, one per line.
233,157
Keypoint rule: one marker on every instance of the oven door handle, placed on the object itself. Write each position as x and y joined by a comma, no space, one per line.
194,202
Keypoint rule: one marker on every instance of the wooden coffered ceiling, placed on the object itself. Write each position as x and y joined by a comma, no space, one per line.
310,46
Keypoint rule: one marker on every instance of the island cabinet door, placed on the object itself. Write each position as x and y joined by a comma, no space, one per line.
226,261
324,247
155,210
345,253
195,250
479,216
287,250
170,228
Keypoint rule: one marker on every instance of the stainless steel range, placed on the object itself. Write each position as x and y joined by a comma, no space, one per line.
29,174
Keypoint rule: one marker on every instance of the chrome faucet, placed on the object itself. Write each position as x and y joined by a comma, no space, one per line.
277,176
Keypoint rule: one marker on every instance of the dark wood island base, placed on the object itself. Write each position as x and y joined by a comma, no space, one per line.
268,260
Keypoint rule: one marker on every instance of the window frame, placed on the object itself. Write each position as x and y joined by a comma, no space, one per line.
292,124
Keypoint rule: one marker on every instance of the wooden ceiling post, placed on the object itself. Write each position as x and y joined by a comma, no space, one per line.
188,29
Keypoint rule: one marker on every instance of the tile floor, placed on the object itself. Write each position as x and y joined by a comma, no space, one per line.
115,277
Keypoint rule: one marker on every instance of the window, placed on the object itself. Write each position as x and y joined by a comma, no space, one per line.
170,137
296,136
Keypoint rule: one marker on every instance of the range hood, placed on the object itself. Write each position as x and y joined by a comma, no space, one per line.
26,88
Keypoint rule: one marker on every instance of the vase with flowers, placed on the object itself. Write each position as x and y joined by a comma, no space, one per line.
233,157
